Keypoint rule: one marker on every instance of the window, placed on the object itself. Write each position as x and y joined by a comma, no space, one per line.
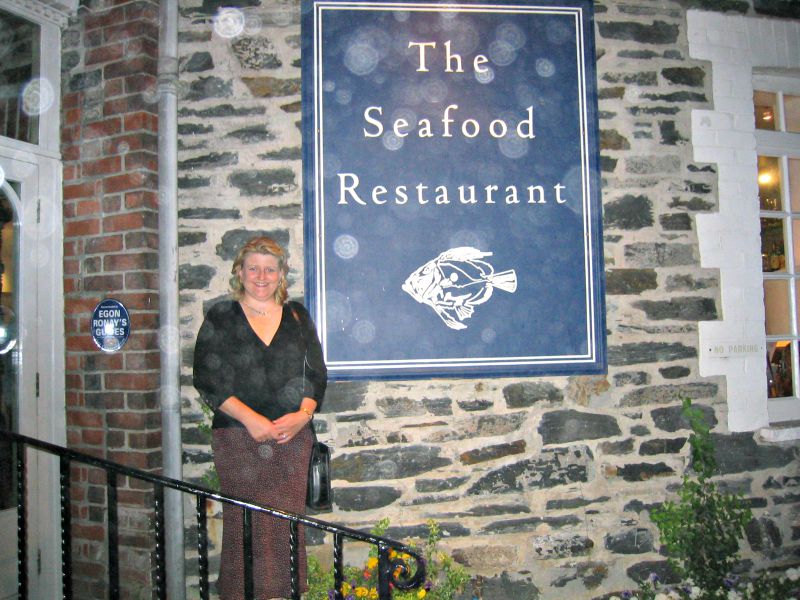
777,121
20,85
751,131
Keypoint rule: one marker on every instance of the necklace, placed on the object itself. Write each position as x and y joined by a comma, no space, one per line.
260,313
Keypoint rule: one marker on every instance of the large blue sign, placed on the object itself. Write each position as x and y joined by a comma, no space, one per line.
452,201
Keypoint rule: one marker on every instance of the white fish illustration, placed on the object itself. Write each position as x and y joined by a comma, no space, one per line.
455,281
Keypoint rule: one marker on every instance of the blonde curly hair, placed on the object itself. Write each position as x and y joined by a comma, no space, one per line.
260,245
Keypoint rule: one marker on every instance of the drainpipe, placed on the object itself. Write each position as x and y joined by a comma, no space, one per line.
169,338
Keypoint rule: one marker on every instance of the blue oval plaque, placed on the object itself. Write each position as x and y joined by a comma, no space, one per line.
111,325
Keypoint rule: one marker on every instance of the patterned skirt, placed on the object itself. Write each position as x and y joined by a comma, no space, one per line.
273,475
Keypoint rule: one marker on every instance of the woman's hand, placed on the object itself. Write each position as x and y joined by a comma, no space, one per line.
289,424
260,428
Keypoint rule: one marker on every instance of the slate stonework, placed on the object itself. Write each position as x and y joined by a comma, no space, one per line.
542,485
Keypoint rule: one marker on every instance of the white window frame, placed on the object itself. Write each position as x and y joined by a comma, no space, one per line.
783,146
730,240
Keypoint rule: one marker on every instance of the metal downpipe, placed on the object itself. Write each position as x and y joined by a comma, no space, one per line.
169,338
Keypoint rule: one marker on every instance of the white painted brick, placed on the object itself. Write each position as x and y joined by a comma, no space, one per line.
734,105
738,40
746,157
735,313
704,136
713,119
713,154
739,179
744,122
722,87
747,416
732,204
794,42
711,255
754,291
735,139
736,24
714,37
781,47
721,55
711,258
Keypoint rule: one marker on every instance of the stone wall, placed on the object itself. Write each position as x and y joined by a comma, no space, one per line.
542,485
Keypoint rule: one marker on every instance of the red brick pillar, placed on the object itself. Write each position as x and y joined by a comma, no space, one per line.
109,146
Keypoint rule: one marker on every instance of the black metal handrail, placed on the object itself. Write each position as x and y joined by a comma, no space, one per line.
393,571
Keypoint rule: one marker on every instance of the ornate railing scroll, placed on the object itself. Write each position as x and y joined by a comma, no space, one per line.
394,573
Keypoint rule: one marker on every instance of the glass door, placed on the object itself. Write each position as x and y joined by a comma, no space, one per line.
17,376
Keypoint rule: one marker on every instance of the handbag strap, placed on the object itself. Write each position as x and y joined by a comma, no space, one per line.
305,361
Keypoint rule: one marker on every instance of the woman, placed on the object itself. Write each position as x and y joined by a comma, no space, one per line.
258,363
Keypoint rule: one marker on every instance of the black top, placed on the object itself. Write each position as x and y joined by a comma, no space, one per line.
231,360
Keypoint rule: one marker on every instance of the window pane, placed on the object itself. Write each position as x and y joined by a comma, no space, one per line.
794,183
796,244
773,249
791,111
769,183
9,351
765,104
776,307
779,369
19,66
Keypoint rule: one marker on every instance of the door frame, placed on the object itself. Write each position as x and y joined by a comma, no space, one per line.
41,339
41,224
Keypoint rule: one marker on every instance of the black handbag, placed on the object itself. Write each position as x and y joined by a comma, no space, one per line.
319,494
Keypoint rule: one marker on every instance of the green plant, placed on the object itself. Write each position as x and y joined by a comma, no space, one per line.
210,478
701,532
445,578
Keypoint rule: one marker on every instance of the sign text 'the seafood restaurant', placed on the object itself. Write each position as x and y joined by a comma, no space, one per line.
451,124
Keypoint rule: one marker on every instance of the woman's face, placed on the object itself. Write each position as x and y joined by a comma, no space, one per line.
260,275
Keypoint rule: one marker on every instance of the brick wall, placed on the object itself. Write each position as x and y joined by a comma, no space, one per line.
109,145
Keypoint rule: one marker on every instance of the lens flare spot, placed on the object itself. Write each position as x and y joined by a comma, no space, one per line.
340,312
511,34
391,141
229,22
512,146
545,67
363,332
37,96
486,76
502,53
434,90
361,58
345,246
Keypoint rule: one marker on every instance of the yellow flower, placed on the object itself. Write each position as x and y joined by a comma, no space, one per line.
345,588
362,592
372,563
421,593
373,594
